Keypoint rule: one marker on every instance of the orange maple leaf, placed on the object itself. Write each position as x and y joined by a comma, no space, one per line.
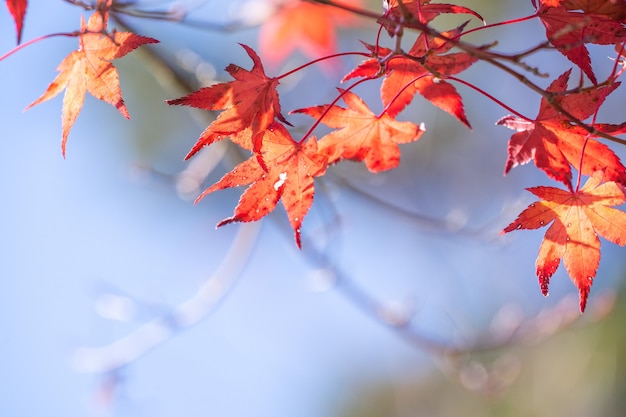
301,25
362,135
291,167
89,69
17,8
250,105
578,218
419,71
569,30
554,142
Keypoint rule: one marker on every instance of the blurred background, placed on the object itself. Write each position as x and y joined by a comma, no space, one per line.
119,297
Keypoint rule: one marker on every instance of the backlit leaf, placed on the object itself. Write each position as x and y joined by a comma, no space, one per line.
577,219
291,168
89,69
250,104
361,135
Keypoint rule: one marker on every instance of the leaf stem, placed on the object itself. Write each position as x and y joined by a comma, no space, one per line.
582,151
489,96
619,60
40,38
493,25
315,61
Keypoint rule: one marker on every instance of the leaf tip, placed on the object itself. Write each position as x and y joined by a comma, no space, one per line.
121,107
63,145
545,272
584,287
192,152
583,291
544,282
516,225
226,221
298,238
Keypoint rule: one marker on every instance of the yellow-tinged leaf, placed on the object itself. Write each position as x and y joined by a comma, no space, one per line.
577,218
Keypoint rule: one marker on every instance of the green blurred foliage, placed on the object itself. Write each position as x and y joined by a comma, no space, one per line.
577,372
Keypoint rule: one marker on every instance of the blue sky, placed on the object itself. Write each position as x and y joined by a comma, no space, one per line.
82,234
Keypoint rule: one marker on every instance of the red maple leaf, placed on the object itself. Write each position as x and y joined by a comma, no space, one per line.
362,135
577,219
302,25
554,142
291,168
570,30
420,11
250,105
419,71
17,8
615,9
89,69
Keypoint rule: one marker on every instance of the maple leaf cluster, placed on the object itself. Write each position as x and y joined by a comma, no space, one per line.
571,24
281,167
564,140
251,117
556,141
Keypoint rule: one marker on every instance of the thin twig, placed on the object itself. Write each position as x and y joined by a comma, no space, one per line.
124,351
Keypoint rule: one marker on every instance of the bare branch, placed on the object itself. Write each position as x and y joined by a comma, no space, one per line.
122,352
